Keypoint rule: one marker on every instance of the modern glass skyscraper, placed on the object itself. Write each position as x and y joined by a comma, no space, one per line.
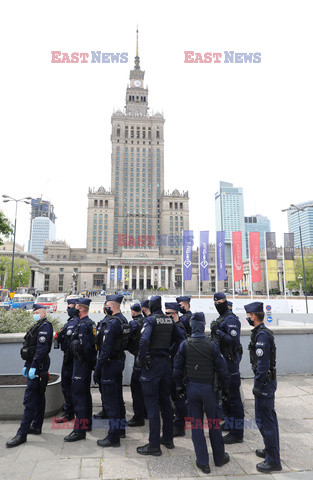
43,229
306,220
257,223
229,215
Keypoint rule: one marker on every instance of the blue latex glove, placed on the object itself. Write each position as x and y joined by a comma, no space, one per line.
24,372
31,373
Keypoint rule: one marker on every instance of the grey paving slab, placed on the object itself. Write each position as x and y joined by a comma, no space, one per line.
10,470
171,467
62,469
124,468
292,476
91,472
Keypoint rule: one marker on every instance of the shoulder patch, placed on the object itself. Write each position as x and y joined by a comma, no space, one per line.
259,352
69,332
42,339
233,333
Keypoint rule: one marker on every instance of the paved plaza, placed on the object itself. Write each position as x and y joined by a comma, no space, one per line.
49,457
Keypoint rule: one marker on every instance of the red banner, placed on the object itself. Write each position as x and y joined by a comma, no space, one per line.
237,257
255,257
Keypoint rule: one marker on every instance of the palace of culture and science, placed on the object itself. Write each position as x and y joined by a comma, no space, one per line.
134,228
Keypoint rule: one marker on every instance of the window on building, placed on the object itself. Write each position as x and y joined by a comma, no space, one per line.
61,269
47,282
75,269
98,281
149,133
61,279
106,203
101,203
95,203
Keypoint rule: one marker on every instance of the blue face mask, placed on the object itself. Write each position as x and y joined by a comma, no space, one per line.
36,317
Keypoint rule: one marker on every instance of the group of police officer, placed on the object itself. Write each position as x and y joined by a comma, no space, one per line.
175,362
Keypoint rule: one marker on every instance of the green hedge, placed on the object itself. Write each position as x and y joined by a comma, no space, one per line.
19,321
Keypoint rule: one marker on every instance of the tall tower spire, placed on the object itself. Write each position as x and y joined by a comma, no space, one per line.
137,59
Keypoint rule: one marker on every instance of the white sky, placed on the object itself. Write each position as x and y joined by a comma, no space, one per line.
249,124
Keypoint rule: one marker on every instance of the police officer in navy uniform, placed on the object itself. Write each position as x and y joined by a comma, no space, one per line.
35,352
184,303
159,333
230,305
145,308
83,347
225,332
109,370
136,325
63,339
100,330
263,361
198,357
171,310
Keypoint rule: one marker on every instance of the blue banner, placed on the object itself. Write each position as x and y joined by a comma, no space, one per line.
204,256
187,254
112,272
119,274
220,256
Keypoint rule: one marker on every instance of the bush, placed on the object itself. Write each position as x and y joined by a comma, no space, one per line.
20,321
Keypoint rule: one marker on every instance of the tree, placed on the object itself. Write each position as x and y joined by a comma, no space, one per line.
5,227
21,272
308,267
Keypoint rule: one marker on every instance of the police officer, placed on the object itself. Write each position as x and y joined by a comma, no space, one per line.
35,352
225,332
230,305
198,357
159,333
138,420
263,361
184,303
145,308
109,370
100,330
171,310
84,351
63,339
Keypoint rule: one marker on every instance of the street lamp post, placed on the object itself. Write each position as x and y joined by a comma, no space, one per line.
300,278
296,209
10,199
20,274
74,276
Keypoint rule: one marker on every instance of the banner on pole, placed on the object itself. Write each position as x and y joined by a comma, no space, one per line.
187,254
112,274
289,252
126,274
220,256
204,256
271,253
119,274
255,257
237,256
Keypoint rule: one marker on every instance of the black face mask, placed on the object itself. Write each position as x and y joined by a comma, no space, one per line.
71,311
251,322
221,307
108,311
144,314
182,310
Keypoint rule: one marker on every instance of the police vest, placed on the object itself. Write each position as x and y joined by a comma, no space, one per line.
92,335
199,360
120,343
100,331
133,344
162,333
29,347
252,349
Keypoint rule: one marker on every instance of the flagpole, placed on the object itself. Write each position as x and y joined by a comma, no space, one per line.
284,270
250,267
216,275
199,268
232,259
182,264
266,271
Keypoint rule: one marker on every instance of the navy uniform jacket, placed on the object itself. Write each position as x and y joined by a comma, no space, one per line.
112,332
87,350
263,346
147,330
68,330
44,342
229,336
219,362
185,320
174,348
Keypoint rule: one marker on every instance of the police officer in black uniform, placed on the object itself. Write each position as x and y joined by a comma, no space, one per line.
100,330
171,310
138,420
83,347
198,357
184,303
63,339
145,308
159,333
109,370
263,361
35,352
225,332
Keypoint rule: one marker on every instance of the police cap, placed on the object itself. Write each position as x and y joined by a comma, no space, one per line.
37,306
136,307
183,298
172,306
114,298
254,307
219,296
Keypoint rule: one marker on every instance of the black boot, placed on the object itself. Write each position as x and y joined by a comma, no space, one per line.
65,417
106,443
265,467
204,468
224,461
167,443
133,422
148,450
178,431
260,452
16,441
34,431
75,436
102,414
229,439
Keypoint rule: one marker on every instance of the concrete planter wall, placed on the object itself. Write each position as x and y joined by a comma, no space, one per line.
11,405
